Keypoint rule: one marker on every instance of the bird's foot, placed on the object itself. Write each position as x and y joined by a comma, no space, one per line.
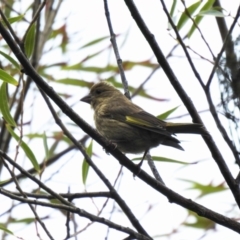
139,167
140,164
112,144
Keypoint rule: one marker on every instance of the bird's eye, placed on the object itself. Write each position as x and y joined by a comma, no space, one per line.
98,91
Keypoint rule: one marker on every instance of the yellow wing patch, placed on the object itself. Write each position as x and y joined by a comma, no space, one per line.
137,121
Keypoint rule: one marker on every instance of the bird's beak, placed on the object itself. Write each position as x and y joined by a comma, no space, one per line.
87,99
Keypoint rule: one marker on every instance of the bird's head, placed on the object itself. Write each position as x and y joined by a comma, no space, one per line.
99,93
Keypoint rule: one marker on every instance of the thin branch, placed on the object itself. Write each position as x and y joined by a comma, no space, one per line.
30,205
80,212
115,48
154,169
69,196
145,81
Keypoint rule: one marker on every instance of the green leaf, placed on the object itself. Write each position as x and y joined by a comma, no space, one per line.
25,148
23,220
10,59
74,82
13,19
200,222
85,165
163,159
8,10
172,11
205,189
92,56
80,67
5,229
4,105
211,12
4,181
173,8
127,65
52,149
198,19
165,115
29,42
184,17
94,42
45,144
34,135
7,78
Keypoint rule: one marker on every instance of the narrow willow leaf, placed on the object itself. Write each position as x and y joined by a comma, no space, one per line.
211,12
173,7
198,19
74,82
7,78
25,148
184,17
8,10
4,106
5,229
53,148
10,59
165,115
79,66
45,144
34,135
127,65
94,42
85,166
23,220
163,159
4,181
172,11
13,20
29,42
91,56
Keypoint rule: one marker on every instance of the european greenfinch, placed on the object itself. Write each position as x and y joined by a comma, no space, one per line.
128,126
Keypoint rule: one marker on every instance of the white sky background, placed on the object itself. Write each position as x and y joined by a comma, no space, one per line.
87,20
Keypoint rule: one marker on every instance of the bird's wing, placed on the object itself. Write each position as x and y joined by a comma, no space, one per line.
137,117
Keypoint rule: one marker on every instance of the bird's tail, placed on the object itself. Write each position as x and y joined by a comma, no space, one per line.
192,128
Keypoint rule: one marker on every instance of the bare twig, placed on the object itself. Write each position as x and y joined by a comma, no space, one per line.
115,48
80,212
30,205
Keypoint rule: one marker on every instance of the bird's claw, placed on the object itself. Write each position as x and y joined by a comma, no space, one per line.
112,144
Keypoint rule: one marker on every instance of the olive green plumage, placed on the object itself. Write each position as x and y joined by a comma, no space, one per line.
127,125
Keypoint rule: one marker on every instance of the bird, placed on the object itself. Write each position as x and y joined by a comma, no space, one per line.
128,126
